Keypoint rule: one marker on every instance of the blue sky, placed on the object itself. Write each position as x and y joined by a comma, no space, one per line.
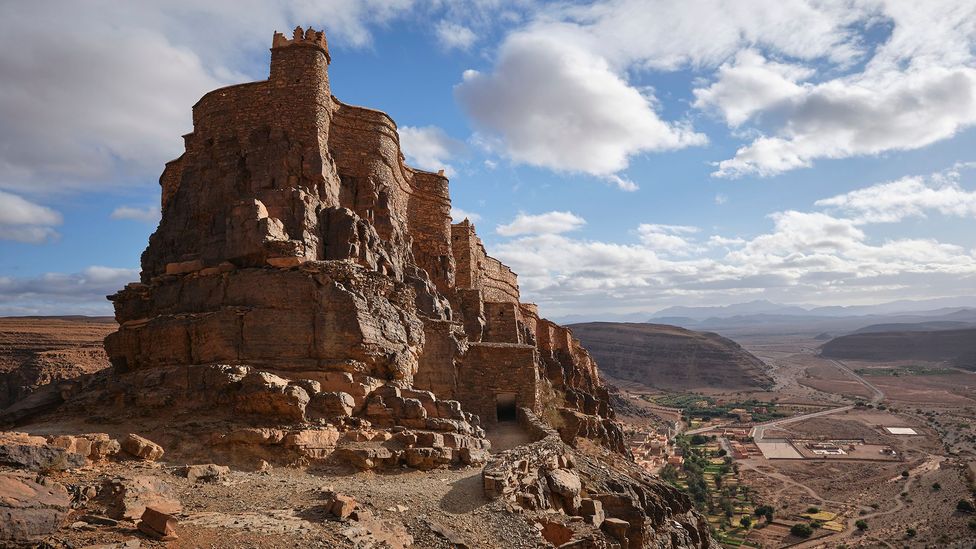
621,155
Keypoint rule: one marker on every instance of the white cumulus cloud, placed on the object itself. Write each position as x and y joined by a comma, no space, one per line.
458,215
546,223
429,147
555,104
455,35
149,214
24,221
64,293
827,254
911,196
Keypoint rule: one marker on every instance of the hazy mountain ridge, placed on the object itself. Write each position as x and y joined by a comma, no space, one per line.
956,347
670,357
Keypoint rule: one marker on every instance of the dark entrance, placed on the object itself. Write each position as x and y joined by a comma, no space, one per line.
505,409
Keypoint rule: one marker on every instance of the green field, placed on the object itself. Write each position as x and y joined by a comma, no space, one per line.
906,371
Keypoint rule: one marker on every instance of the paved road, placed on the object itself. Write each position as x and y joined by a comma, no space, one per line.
758,431
878,395
701,430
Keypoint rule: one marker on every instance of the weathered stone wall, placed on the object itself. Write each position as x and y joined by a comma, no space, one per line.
262,141
438,370
477,270
491,369
503,323
430,225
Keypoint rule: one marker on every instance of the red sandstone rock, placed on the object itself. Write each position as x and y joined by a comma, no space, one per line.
142,448
157,524
129,497
30,509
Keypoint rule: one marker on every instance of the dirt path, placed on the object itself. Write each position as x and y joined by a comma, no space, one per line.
928,465
507,435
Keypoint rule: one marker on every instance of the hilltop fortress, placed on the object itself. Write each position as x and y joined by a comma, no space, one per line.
306,302
296,241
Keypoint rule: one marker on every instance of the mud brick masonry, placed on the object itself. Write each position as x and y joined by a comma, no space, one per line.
295,240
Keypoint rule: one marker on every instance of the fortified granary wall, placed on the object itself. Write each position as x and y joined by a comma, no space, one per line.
287,143
477,270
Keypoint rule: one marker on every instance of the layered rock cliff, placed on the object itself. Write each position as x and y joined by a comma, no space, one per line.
669,357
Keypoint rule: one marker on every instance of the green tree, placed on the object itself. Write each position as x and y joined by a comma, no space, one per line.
801,530
911,532
669,474
861,524
746,522
965,506
764,511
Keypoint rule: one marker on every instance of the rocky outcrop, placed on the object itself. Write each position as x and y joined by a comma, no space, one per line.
39,351
669,357
550,478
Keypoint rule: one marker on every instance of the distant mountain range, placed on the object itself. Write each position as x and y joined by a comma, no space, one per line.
763,306
762,317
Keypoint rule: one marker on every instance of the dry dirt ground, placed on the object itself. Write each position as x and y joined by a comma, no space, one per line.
35,351
283,507
939,407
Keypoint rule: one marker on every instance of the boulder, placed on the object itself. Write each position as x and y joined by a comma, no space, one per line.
129,497
592,511
330,404
269,395
157,524
339,505
30,509
206,473
566,484
102,446
617,529
142,448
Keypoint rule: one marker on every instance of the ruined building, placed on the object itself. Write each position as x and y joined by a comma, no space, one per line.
295,241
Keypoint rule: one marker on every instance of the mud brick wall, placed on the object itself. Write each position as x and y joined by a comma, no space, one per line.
489,369
477,270
552,337
430,226
437,371
263,140
502,323
374,181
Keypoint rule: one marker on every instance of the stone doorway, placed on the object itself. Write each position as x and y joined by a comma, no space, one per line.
505,409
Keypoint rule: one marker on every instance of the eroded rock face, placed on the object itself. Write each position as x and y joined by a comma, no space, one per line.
296,243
